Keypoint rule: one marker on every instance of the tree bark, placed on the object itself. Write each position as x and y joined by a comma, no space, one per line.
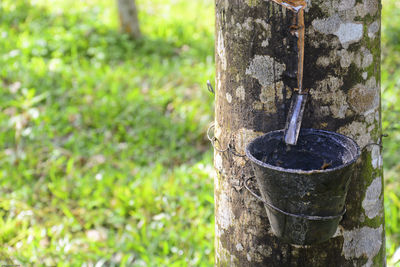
128,17
255,74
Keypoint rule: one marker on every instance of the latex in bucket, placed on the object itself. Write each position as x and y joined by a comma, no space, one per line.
304,187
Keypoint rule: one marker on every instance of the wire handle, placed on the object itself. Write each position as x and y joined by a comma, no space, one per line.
307,217
229,147
214,139
379,143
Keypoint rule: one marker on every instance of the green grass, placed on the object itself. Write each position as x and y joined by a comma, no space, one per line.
102,149
103,156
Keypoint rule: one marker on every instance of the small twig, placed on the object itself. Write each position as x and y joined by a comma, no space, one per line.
210,87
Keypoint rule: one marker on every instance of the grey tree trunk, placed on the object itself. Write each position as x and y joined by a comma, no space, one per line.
128,17
256,69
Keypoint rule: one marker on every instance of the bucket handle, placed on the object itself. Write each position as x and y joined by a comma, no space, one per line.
308,217
230,148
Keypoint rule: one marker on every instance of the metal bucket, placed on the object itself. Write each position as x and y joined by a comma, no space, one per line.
303,187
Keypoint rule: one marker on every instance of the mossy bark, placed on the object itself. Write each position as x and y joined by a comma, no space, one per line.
255,74
128,17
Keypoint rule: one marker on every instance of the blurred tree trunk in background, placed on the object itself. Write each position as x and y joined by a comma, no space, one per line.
254,76
128,17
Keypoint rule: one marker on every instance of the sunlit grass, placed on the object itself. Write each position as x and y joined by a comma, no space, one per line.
103,153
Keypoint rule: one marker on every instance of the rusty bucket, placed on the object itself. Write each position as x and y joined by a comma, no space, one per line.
303,187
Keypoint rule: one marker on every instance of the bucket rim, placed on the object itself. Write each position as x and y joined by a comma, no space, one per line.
299,171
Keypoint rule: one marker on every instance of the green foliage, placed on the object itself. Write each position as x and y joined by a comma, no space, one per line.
103,153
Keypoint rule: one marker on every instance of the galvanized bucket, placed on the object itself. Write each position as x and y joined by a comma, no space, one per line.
303,187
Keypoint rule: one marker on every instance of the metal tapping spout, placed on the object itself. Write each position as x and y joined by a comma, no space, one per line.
299,99
294,118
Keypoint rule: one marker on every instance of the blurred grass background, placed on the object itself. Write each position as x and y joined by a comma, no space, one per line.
104,159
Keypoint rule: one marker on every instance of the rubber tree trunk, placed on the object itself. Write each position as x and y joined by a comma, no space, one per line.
128,17
256,69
